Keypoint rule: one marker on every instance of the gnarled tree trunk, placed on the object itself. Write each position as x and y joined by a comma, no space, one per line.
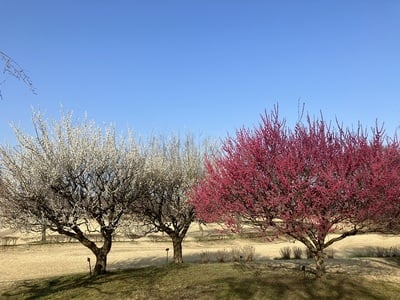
43,234
100,253
319,257
177,245
100,266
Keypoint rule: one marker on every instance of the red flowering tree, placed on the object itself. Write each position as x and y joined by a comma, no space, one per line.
306,183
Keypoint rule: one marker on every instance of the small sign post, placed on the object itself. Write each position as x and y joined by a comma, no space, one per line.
90,267
167,249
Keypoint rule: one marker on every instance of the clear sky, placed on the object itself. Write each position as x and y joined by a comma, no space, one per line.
202,66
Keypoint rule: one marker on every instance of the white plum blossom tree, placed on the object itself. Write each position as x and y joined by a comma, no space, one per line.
75,178
173,166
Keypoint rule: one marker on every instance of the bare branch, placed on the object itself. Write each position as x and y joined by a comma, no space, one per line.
11,67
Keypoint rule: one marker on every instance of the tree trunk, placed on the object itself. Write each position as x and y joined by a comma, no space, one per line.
101,255
319,257
201,230
177,244
101,262
43,233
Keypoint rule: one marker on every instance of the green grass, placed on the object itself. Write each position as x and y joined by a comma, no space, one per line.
203,281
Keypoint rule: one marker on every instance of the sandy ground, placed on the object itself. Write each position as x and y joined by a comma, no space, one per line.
25,261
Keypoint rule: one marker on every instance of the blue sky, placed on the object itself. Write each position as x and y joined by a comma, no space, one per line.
206,67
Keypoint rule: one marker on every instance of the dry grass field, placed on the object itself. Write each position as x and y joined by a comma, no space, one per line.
139,270
26,261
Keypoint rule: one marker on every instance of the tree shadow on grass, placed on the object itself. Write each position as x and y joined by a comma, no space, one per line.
109,285
219,283
297,288
33,289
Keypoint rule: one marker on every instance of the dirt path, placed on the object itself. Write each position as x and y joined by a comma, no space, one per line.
25,261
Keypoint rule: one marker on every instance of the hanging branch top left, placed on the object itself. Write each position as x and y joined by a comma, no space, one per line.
11,67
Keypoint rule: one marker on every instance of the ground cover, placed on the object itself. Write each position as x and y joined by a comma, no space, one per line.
139,270
205,281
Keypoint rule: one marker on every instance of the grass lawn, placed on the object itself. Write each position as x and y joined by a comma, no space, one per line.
203,281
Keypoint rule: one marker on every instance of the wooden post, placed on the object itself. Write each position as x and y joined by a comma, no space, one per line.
90,267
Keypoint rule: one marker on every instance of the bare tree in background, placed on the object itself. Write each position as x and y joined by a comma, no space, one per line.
11,67
173,166
78,179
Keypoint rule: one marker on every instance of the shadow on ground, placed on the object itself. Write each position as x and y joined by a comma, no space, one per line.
206,281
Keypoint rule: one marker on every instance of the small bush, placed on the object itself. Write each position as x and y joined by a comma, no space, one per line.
381,252
248,253
378,252
205,257
245,253
285,252
394,251
309,254
222,256
236,254
297,252
384,252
